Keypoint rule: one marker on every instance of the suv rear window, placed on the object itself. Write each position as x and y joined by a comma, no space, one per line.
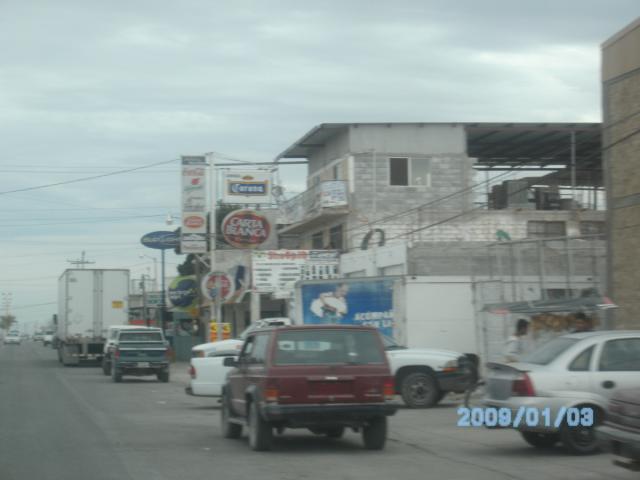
140,337
321,347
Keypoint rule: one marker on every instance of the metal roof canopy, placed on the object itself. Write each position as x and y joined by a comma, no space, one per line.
502,146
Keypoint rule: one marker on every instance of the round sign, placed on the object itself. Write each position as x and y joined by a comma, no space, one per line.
245,229
183,292
161,240
193,221
210,285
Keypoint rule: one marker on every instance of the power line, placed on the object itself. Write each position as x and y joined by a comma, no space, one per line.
34,305
84,179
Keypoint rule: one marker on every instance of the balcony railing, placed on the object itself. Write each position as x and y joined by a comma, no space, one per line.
327,194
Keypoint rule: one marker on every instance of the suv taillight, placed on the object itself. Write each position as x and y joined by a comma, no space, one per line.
389,389
523,387
271,392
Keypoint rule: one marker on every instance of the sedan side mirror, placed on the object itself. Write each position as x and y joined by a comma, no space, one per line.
230,362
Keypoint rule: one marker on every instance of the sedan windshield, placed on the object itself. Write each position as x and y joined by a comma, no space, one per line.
548,352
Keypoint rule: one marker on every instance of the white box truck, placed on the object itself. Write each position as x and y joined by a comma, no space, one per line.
89,302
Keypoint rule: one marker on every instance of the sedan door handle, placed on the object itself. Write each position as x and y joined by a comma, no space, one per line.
608,384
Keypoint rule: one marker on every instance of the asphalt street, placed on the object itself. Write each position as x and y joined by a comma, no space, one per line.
71,423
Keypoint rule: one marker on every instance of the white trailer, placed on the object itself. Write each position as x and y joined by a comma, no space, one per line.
89,302
418,311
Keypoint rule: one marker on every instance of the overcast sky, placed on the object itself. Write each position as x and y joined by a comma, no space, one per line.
90,87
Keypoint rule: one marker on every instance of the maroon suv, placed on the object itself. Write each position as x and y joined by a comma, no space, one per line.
324,378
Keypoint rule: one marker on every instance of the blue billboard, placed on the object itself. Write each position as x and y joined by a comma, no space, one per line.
364,302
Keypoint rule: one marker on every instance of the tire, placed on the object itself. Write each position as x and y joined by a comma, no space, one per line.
163,376
579,440
106,367
374,435
336,432
540,440
116,374
419,390
260,432
229,430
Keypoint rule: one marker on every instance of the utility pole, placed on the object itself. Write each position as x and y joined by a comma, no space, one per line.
81,262
145,317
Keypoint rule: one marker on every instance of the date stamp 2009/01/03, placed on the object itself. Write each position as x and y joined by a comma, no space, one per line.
525,417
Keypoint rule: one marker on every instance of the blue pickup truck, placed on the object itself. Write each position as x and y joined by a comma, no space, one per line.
139,352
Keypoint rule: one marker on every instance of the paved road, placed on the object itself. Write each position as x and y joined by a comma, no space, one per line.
73,423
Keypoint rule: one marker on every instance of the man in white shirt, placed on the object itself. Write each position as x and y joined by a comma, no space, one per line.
517,345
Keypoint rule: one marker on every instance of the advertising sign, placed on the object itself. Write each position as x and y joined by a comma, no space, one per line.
183,293
279,270
333,193
160,240
209,285
245,229
367,303
247,187
194,205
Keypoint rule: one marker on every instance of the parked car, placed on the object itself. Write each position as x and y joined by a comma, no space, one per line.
423,376
37,337
111,342
140,351
206,369
323,377
12,338
620,433
579,370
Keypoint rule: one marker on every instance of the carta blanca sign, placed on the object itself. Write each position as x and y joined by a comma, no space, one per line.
351,302
160,240
245,229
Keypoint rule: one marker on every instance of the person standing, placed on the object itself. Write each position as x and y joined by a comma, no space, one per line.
583,323
517,345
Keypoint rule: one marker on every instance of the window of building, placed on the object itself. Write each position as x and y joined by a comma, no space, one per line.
409,171
591,228
335,170
335,237
537,229
316,241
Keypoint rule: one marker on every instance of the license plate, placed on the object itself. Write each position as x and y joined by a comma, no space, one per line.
143,364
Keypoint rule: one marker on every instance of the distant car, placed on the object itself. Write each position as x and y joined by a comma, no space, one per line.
620,433
38,337
47,338
12,338
579,371
111,343
139,352
322,377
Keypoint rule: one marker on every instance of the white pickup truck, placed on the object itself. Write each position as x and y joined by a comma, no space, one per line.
422,376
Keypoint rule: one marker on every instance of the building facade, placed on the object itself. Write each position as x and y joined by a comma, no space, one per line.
621,143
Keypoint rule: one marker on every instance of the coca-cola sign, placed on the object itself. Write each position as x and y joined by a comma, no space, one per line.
245,229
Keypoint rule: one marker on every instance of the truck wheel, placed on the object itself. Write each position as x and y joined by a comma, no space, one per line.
116,374
540,440
374,434
419,390
579,440
260,432
229,430
163,376
106,367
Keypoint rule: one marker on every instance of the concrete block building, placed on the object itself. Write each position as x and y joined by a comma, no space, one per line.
621,143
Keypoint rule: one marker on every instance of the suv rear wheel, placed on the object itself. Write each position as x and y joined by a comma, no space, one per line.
116,374
260,432
163,376
374,434
420,390
106,367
